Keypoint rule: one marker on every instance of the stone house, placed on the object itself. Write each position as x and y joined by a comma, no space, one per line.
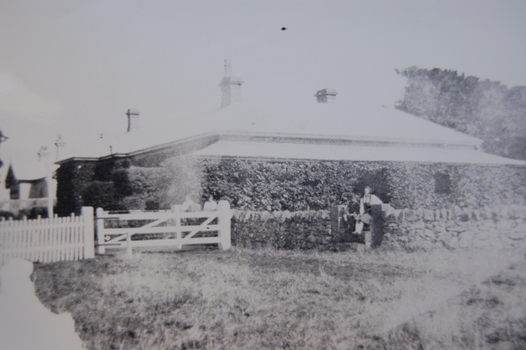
290,155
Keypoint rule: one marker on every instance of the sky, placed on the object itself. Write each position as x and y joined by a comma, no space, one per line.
74,67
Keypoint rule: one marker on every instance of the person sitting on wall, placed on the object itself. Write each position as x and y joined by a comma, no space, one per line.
210,205
364,218
353,208
190,205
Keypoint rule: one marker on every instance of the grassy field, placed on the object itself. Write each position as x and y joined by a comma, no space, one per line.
266,299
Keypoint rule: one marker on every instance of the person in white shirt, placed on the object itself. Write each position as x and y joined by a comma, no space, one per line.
364,216
210,205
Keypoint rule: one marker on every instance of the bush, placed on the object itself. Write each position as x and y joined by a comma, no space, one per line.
6,215
100,194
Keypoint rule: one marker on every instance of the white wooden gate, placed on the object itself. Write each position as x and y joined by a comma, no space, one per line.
163,228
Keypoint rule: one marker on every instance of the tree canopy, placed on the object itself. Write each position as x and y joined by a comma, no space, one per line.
481,108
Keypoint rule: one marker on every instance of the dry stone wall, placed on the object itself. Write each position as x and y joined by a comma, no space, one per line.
281,229
453,228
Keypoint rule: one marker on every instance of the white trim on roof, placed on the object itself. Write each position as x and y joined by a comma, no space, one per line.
352,153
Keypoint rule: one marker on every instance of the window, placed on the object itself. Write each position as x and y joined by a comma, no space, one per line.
442,183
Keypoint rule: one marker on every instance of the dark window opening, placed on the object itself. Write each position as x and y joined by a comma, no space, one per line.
442,183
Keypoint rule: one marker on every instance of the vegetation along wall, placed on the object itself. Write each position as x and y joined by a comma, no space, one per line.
284,185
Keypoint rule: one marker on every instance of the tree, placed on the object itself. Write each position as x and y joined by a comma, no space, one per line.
3,138
481,108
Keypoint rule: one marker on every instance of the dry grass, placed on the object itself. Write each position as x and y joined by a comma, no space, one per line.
245,299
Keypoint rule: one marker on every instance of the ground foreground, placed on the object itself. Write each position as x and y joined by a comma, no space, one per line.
246,299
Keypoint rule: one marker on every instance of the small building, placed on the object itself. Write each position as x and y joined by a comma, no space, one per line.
27,187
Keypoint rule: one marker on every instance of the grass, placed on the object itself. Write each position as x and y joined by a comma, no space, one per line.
267,299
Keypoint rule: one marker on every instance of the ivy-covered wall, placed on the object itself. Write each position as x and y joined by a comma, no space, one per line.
271,185
90,183
72,179
316,185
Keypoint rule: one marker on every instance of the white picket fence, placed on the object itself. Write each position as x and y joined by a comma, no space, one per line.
72,238
163,228
48,240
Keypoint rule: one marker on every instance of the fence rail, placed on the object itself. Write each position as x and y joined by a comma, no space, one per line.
48,240
163,228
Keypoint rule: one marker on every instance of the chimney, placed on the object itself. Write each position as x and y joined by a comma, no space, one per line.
59,144
43,154
133,119
230,87
326,96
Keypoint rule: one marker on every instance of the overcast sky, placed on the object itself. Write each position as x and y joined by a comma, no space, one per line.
75,67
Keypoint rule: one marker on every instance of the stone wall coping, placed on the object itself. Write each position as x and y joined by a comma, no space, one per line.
503,212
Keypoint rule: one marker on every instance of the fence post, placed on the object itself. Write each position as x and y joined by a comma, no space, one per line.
225,215
338,224
101,249
129,249
176,209
89,232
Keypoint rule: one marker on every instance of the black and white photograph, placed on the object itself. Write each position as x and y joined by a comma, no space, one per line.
262,174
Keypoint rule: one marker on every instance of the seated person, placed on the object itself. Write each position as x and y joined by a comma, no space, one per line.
353,208
364,218
210,205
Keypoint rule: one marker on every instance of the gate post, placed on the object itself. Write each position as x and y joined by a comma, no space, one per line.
101,249
225,215
176,209
89,232
337,223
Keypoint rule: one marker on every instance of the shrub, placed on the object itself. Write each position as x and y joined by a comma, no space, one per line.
100,194
6,214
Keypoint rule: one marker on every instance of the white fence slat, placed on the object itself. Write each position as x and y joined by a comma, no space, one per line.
52,243
86,234
70,242
59,250
75,239
66,244
57,240
68,232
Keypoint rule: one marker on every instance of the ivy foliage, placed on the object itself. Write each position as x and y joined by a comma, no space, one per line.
293,185
146,188
72,180
316,185
100,194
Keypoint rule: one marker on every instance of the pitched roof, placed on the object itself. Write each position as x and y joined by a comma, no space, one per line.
22,171
343,131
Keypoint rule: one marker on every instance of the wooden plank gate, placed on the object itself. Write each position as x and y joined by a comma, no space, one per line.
48,240
173,228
